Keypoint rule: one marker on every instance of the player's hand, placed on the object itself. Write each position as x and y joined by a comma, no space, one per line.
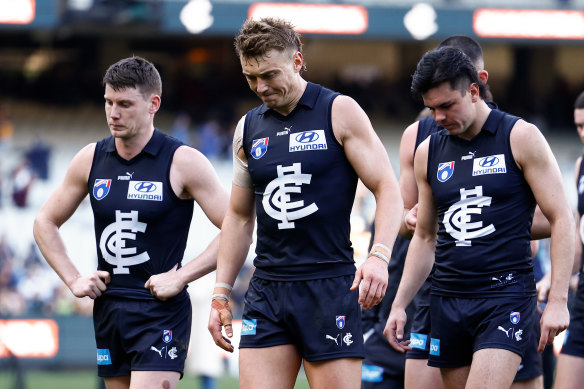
555,319
221,316
92,285
394,330
411,219
372,275
165,285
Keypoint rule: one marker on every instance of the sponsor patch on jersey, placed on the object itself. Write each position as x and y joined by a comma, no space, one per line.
341,320
145,190
249,327
445,171
418,340
492,164
434,346
101,188
103,356
371,373
308,140
259,147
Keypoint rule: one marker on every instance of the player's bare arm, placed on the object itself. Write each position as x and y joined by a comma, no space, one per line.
369,158
56,211
420,257
407,179
534,156
193,176
236,237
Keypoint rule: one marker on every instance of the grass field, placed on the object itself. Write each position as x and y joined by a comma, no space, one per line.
87,379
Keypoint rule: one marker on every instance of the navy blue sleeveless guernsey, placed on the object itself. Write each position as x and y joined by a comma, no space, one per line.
304,188
141,226
485,209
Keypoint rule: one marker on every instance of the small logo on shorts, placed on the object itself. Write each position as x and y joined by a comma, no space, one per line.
341,322
172,353
335,339
515,317
249,327
103,356
518,335
418,340
435,347
157,350
348,338
166,336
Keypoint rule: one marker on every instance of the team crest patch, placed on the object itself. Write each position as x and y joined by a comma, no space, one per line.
492,164
514,317
259,147
445,171
341,322
101,188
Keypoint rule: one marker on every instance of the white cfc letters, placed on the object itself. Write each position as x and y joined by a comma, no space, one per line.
113,242
457,220
276,199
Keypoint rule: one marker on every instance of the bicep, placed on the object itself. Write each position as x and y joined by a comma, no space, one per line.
540,169
407,179
362,146
427,222
71,191
203,185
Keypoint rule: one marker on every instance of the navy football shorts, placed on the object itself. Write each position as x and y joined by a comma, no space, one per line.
322,318
420,329
461,326
574,340
150,335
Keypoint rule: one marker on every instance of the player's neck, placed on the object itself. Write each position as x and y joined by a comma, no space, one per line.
130,147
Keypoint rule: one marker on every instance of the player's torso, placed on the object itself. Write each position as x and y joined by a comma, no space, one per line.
140,225
304,185
484,206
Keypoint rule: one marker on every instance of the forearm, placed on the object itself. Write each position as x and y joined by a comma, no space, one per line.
388,217
52,247
562,255
236,237
201,265
417,267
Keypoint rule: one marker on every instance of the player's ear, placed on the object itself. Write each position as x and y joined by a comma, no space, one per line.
483,75
298,61
154,103
474,92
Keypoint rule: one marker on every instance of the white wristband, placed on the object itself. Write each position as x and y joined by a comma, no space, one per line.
379,255
224,285
382,246
220,296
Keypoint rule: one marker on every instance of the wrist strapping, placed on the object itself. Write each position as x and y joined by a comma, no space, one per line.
381,251
224,285
220,296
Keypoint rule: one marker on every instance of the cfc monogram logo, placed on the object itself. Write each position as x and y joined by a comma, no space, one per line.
113,242
276,199
457,219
